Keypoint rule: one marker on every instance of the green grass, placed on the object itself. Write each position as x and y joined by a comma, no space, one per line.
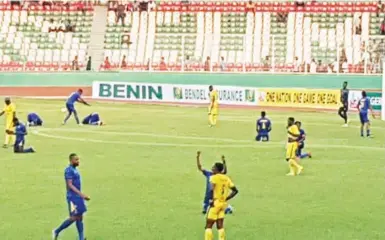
141,175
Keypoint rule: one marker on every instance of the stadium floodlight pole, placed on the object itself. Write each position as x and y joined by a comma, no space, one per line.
383,91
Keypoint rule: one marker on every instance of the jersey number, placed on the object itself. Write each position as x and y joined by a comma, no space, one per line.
263,125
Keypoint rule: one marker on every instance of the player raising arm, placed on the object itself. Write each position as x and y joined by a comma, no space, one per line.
363,107
207,174
70,105
220,185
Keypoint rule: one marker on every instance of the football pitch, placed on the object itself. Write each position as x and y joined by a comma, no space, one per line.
140,172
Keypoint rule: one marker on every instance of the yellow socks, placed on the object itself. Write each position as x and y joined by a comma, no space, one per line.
12,139
6,142
214,120
221,234
211,119
209,234
295,168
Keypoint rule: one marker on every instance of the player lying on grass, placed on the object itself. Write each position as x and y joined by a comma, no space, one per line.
301,142
208,174
34,120
70,105
93,119
364,107
20,132
220,187
263,128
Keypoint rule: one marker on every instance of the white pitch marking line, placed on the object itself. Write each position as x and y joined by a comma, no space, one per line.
251,145
149,143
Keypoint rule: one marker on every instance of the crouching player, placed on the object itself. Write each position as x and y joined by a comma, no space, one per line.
263,128
208,174
34,120
92,119
301,142
20,132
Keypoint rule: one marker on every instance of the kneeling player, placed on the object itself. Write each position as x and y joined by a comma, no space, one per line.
34,120
92,119
208,174
20,132
263,128
301,142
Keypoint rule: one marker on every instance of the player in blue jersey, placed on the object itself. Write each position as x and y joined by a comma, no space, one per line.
208,174
34,120
93,119
301,142
364,107
75,199
70,105
20,131
343,110
263,128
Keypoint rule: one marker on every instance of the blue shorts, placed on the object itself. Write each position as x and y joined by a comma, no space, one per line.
18,146
70,108
364,117
76,206
263,133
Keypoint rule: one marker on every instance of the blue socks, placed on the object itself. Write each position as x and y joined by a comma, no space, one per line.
80,227
63,226
28,150
76,117
305,155
362,132
67,223
67,117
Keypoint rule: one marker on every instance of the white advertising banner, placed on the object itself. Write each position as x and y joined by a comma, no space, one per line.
152,92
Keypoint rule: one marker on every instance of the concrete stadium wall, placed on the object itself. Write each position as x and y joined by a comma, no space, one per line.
61,84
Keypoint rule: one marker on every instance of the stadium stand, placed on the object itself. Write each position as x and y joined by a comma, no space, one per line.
39,37
317,36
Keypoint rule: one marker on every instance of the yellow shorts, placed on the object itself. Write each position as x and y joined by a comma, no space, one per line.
9,126
291,149
214,111
217,211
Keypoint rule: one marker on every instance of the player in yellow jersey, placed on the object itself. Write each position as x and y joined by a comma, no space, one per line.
221,185
214,105
10,113
291,147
